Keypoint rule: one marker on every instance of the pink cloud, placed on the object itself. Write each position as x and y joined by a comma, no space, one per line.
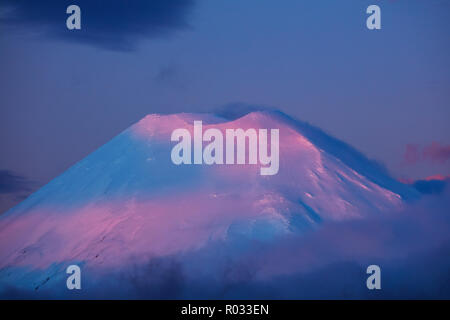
412,154
437,153
434,153
439,177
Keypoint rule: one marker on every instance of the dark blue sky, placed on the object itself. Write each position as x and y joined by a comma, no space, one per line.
63,93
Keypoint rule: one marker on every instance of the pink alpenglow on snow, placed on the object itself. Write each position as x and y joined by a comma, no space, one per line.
129,202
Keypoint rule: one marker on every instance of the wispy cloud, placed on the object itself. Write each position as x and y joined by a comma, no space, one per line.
433,153
13,189
171,76
115,24
12,183
411,155
437,153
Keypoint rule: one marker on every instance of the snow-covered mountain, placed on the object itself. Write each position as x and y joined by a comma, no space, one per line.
127,202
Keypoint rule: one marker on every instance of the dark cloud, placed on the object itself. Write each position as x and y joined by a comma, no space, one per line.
160,278
114,24
166,73
13,189
12,183
435,184
430,187
171,76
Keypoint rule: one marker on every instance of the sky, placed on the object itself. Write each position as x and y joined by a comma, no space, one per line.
64,93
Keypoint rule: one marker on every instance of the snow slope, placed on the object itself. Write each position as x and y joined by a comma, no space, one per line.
127,202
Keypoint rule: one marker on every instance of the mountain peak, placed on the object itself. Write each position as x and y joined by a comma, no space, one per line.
128,199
